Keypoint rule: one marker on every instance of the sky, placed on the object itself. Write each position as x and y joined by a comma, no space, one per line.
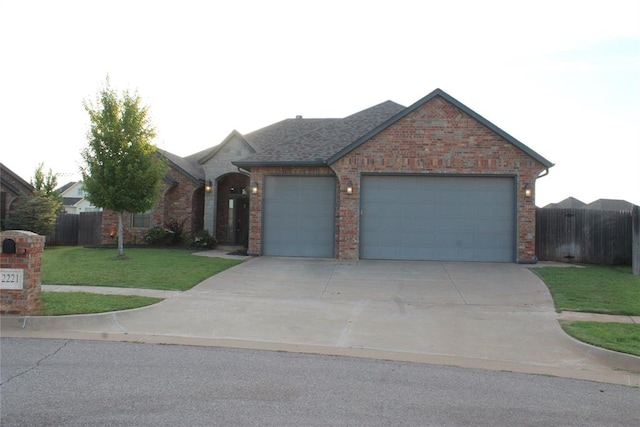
563,77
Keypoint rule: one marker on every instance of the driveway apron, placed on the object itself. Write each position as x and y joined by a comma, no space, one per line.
485,315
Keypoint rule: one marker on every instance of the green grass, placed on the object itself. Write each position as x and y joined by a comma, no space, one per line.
150,268
63,303
593,289
623,337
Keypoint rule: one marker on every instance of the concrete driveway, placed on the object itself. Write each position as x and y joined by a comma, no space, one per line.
484,315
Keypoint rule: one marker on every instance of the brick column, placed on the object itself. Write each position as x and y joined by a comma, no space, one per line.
20,272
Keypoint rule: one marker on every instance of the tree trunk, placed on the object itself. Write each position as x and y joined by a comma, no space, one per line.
120,235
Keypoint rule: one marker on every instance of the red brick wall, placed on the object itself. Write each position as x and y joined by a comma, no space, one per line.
177,202
437,139
28,257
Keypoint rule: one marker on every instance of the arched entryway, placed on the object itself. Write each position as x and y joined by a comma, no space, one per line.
232,209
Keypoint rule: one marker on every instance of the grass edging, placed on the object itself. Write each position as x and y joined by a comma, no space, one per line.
620,337
596,289
69,303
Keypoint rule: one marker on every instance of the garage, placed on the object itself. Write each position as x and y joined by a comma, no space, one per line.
443,218
299,216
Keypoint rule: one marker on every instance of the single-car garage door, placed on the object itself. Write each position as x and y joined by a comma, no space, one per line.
437,218
299,216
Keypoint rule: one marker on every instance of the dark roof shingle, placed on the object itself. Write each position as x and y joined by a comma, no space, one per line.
313,141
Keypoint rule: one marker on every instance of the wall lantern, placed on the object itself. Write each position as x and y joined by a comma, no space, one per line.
208,187
350,187
254,187
528,192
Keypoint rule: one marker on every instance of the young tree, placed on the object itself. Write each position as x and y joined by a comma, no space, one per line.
45,185
121,170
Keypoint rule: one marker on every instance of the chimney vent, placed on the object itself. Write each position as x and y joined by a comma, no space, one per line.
298,117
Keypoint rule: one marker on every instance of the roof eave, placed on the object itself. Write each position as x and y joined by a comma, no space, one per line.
247,165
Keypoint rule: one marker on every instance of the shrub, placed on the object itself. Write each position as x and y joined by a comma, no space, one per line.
177,229
203,240
158,236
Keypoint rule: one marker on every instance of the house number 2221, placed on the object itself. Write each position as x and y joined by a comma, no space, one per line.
11,278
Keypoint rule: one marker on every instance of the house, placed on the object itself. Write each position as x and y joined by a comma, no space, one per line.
12,187
432,181
610,205
568,203
74,199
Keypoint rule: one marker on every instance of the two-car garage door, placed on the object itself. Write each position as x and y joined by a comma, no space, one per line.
437,218
408,217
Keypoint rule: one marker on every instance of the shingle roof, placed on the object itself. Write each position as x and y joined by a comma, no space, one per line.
66,187
70,201
187,165
610,205
313,141
568,203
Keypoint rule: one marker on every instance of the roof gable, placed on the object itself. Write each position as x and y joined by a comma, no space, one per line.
192,171
204,156
14,182
438,93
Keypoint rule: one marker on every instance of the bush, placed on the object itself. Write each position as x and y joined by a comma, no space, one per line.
203,240
158,236
35,213
177,229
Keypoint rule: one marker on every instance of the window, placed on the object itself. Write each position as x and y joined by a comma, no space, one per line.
141,220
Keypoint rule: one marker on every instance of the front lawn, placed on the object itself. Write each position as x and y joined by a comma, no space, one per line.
597,289
150,268
63,303
593,289
623,337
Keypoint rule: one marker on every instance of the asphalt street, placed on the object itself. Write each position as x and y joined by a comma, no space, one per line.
78,383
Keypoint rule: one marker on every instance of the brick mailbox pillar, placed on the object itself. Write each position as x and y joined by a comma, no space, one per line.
20,271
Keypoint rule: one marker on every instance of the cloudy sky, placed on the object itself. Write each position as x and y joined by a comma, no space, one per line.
563,77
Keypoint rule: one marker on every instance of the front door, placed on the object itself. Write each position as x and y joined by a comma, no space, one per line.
238,221
232,212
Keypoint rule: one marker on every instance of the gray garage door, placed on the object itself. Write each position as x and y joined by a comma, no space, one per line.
299,216
437,218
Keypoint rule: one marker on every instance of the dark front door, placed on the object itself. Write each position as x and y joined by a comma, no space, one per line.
242,221
238,221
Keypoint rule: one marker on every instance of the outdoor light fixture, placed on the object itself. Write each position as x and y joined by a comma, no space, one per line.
350,187
208,187
528,192
254,187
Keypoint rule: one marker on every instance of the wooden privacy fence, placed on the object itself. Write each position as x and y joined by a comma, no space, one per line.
584,235
77,229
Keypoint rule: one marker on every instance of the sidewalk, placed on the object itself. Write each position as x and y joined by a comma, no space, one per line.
565,315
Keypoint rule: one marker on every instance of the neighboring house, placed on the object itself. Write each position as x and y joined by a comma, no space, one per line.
432,181
568,203
610,205
12,187
74,199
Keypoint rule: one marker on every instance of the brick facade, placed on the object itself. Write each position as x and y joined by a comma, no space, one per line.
182,199
437,138
28,258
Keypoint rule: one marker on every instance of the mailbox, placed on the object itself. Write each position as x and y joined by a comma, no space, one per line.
8,246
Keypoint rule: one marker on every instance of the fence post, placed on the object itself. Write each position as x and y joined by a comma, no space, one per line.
635,245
